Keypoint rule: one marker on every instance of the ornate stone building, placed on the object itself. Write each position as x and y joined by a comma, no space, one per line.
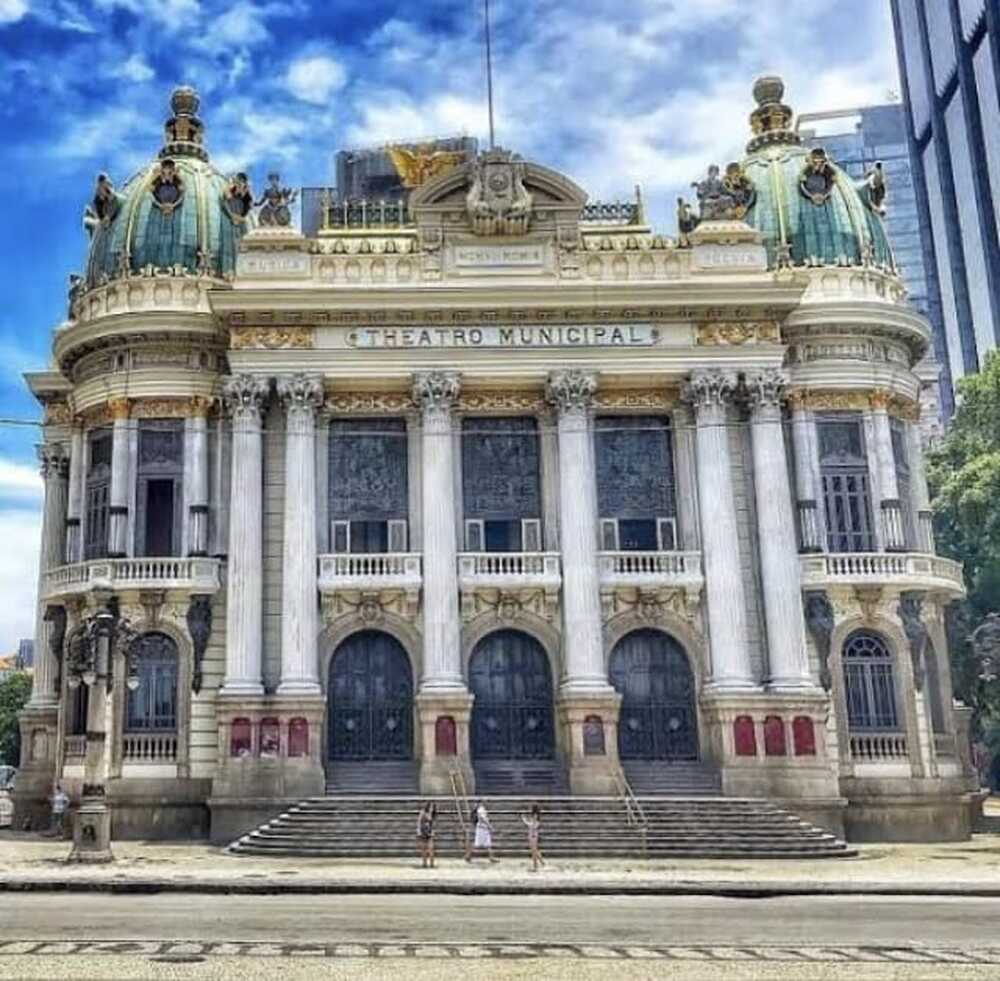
495,484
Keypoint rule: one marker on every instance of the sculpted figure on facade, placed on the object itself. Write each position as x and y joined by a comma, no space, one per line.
419,165
497,201
104,205
275,203
817,178
571,390
238,199
199,624
245,397
910,611
874,189
820,620
724,198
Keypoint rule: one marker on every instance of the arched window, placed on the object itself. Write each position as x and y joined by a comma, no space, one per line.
152,707
868,682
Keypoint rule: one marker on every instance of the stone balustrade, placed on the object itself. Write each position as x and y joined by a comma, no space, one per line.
75,747
195,575
513,568
907,570
149,747
369,570
875,747
626,568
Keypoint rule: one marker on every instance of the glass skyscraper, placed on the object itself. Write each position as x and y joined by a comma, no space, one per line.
949,57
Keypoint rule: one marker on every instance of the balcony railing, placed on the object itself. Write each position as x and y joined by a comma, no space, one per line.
649,568
875,747
905,569
149,747
369,570
498,568
198,575
75,747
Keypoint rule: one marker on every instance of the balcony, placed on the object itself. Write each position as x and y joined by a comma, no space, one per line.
191,575
646,581
508,582
371,582
878,747
149,747
901,570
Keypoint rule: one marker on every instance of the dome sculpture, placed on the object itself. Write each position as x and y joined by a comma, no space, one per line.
809,211
178,214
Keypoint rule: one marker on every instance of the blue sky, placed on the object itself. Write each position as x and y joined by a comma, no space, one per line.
611,93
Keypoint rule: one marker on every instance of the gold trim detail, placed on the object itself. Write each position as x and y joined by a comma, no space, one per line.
166,408
735,333
199,406
369,402
651,398
58,414
502,401
853,400
119,408
270,338
880,398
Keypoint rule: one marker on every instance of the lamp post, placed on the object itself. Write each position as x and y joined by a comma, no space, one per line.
92,650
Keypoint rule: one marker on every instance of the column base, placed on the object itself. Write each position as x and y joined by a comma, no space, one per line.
589,724
793,686
310,688
92,832
36,778
723,686
444,718
241,688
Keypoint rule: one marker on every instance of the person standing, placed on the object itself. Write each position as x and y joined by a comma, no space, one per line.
483,838
425,833
533,822
59,802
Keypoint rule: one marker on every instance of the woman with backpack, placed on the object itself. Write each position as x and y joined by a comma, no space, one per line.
483,837
425,833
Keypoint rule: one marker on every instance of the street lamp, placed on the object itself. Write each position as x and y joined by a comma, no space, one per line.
92,648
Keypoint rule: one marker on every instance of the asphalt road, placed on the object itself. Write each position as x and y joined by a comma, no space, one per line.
517,919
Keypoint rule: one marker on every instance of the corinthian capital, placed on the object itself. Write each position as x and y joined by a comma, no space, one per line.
571,390
301,392
245,396
436,392
53,460
708,388
765,388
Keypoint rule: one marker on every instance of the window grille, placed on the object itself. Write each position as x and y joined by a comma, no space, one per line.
846,493
868,681
152,707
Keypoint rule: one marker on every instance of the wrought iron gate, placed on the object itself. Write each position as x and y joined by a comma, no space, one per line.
370,699
658,720
512,713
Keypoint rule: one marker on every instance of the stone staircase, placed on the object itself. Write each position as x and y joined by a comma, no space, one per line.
372,778
659,778
572,827
542,778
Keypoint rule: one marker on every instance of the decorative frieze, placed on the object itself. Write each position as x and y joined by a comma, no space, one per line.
152,408
502,401
58,414
656,399
368,403
854,400
271,338
371,607
654,606
510,605
119,408
726,333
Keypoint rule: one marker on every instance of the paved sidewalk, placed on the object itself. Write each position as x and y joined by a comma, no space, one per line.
32,862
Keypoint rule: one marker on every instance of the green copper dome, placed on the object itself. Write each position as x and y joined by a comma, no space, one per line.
810,211
179,213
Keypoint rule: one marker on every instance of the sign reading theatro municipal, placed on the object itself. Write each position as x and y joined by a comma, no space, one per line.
490,488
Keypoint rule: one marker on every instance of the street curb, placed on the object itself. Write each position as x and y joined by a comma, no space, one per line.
732,890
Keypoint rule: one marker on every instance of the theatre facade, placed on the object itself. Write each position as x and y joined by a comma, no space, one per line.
491,488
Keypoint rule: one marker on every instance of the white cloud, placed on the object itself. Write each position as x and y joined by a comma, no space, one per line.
20,531
315,78
19,481
135,69
12,11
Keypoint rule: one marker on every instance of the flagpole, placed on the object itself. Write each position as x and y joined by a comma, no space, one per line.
489,71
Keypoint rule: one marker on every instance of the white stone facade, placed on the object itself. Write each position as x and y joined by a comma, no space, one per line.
565,323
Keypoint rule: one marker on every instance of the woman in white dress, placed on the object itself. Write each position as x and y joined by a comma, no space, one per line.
483,839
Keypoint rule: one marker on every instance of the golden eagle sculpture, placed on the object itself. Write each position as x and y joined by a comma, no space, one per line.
418,166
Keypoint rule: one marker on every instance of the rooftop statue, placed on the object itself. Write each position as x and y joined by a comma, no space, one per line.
103,207
873,189
275,202
238,198
720,198
167,187
416,167
817,179
498,203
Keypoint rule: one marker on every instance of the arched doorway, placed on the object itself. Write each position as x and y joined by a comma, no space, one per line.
658,720
370,697
512,712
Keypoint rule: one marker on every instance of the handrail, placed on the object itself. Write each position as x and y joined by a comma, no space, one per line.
635,816
460,793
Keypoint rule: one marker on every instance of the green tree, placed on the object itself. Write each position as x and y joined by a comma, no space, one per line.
964,476
14,692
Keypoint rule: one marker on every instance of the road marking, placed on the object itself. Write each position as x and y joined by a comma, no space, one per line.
759,953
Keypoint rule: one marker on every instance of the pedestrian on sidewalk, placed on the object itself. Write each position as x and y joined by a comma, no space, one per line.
425,833
59,801
483,838
533,822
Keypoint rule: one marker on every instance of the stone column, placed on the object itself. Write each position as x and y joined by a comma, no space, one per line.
245,397
806,492
302,396
73,551
119,493
55,470
918,489
572,393
710,392
197,483
779,561
893,529
436,393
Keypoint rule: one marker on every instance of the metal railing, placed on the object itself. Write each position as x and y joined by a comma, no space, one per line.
635,816
873,747
149,747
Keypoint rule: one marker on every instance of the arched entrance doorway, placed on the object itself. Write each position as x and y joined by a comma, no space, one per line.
513,735
370,695
658,721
